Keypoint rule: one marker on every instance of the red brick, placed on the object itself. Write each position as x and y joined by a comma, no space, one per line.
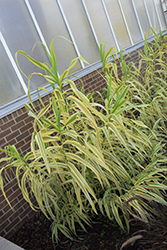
15,114
15,187
22,136
13,202
8,192
38,108
20,198
24,110
2,142
29,119
19,204
12,224
16,214
7,215
11,142
25,147
7,125
10,175
31,130
26,127
28,139
5,133
13,217
2,233
10,117
10,184
26,205
13,195
2,154
21,117
21,223
22,201
3,203
31,214
12,135
4,225
19,144
5,119
10,233
1,122
1,213
18,125
19,111
6,208
23,214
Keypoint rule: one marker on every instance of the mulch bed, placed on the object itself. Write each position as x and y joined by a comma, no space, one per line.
36,235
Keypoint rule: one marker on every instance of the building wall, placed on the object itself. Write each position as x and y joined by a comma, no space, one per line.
16,129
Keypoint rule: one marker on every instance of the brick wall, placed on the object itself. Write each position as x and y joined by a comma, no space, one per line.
16,129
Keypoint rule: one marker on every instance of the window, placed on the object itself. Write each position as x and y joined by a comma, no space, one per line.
84,23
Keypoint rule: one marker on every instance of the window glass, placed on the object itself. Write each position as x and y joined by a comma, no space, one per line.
100,25
143,18
164,8
10,87
20,34
118,23
161,14
81,30
152,14
131,20
52,25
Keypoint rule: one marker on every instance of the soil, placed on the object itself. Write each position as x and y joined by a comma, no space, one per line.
36,235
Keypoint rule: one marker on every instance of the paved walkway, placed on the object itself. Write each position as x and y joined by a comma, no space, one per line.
7,245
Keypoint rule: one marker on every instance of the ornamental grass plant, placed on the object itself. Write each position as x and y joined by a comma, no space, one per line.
147,81
89,157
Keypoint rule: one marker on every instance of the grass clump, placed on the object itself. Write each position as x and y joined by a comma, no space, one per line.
87,156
